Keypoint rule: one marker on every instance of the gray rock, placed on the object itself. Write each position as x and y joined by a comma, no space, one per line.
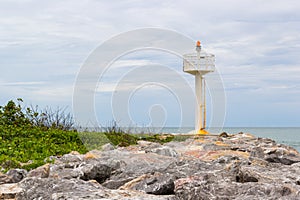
95,170
70,158
40,172
116,183
49,188
13,176
16,175
107,147
91,169
9,191
134,165
4,178
257,152
57,189
281,157
269,173
158,184
164,151
146,145
201,187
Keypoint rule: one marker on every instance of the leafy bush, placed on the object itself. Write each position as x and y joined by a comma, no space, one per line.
32,145
12,114
23,143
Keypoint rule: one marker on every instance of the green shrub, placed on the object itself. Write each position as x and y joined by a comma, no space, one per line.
117,136
93,140
33,144
26,144
12,114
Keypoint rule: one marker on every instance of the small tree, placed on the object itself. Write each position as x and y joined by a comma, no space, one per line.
12,114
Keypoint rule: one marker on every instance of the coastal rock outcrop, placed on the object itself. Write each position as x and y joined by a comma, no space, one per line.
237,166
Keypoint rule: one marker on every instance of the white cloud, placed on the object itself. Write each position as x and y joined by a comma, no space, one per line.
23,84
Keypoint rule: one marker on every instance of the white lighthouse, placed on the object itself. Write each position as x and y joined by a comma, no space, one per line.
199,63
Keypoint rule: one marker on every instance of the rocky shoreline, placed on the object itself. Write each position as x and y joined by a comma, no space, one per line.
238,166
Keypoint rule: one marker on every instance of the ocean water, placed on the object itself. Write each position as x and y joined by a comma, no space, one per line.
284,135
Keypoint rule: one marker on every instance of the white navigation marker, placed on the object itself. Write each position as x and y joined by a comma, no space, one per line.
199,63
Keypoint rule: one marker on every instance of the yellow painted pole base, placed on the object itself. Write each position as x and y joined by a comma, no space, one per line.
202,132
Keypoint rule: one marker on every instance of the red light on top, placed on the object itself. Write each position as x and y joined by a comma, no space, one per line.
198,44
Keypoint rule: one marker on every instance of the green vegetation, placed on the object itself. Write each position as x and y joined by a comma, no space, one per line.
93,140
25,143
28,136
119,137
27,147
181,138
159,138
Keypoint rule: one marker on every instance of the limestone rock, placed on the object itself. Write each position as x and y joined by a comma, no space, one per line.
95,170
16,175
13,176
116,183
107,147
4,178
91,169
9,191
74,156
158,184
146,145
164,151
41,172
57,189
202,188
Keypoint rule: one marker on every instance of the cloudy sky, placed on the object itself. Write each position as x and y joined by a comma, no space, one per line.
43,45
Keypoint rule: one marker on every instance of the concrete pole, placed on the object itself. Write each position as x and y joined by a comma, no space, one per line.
199,101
